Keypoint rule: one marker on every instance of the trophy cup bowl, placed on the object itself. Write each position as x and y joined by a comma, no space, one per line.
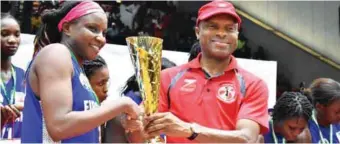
146,55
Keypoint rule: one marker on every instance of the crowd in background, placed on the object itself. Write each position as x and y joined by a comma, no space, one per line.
309,114
130,18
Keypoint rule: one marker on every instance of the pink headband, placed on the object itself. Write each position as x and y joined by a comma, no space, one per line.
84,8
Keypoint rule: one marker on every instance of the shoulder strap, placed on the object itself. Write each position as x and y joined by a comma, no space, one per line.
173,82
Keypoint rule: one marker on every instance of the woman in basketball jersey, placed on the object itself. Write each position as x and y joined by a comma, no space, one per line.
12,88
290,119
60,105
324,127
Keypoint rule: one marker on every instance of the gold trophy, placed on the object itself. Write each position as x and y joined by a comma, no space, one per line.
146,55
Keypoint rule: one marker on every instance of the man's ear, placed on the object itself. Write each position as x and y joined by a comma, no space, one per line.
197,32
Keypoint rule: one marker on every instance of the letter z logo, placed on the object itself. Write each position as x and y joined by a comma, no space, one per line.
189,85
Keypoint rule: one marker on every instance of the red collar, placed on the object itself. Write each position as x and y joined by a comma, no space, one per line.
195,63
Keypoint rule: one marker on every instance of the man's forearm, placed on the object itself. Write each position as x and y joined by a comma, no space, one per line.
220,136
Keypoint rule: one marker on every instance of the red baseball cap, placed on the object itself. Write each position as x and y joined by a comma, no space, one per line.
217,7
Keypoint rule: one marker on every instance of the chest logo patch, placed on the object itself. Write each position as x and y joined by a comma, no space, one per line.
226,93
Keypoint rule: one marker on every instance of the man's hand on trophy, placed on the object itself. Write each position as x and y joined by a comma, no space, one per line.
166,123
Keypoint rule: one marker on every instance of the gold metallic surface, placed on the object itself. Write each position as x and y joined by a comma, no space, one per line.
146,55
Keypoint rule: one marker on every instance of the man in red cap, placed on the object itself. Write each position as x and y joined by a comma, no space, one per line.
211,99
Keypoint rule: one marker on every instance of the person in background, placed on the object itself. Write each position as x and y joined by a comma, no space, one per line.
324,127
12,79
35,19
194,51
98,74
289,120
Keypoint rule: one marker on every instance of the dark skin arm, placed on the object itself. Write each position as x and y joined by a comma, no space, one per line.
51,80
8,113
134,128
246,130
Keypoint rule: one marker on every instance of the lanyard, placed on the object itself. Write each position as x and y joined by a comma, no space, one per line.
10,97
274,135
93,93
321,135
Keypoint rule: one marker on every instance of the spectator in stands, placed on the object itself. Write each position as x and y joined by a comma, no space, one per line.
194,51
5,6
47,5
35,19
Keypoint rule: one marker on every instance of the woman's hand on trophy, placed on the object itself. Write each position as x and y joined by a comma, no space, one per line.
132,110
131,125
166,123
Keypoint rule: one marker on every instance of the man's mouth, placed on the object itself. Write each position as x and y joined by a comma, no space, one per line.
220,43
